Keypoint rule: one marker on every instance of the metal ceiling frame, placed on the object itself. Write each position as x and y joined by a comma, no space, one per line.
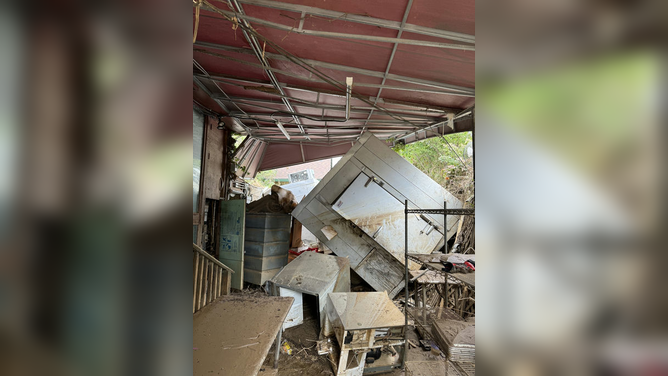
344,68
225,79
265,64
421,106
413,116
328,34
307,10
389,62
211,95
303,103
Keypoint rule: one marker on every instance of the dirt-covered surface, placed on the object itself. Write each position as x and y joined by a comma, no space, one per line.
304,359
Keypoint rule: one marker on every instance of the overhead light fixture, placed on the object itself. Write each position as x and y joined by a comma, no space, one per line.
349,90
280,126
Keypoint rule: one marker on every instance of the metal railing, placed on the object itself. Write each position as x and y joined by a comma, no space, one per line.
211,278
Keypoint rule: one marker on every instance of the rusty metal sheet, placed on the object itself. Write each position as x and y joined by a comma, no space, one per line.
233,335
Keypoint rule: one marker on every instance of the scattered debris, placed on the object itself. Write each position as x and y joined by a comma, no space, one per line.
329,232
280,200
324,346
286,348
358,201
363,324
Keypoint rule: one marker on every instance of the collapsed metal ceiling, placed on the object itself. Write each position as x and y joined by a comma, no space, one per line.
280,72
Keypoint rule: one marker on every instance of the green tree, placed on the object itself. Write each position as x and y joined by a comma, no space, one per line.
448,165
264,178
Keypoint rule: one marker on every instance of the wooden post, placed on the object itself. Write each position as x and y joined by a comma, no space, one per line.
206,285
199,283
195,281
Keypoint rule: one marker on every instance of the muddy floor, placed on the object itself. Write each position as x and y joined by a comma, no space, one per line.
304,359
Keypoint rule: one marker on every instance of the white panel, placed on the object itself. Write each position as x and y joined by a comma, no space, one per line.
296,314
381,216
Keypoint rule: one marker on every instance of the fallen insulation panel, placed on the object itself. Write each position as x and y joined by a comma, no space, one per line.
357,211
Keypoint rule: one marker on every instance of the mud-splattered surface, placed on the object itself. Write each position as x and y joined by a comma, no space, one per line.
232,334
304,359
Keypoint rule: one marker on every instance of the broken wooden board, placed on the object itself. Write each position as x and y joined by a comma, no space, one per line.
233,335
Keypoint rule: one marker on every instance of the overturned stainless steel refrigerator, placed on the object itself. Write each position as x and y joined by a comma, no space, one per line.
357,210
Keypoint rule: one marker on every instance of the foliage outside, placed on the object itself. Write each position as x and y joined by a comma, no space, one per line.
452,168
263,179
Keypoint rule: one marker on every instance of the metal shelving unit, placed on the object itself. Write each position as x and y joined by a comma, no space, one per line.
445,211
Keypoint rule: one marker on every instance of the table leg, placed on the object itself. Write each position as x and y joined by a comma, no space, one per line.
278,347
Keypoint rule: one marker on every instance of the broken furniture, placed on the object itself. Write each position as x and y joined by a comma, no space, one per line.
232,335
361,202
459,290
426,280
424,318
313,274
266,245
211,278
366,324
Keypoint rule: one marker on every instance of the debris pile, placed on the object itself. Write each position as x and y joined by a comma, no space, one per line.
280,200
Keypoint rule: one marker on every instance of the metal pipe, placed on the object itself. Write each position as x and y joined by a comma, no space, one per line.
345,68
366,20
407,113
222,106
225,79
403,361
329,34
334,119
445,224
256,49
389,62
278,347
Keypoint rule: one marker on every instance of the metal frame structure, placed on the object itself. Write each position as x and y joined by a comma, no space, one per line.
366,20
307,90
451,89
445,211
265,64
